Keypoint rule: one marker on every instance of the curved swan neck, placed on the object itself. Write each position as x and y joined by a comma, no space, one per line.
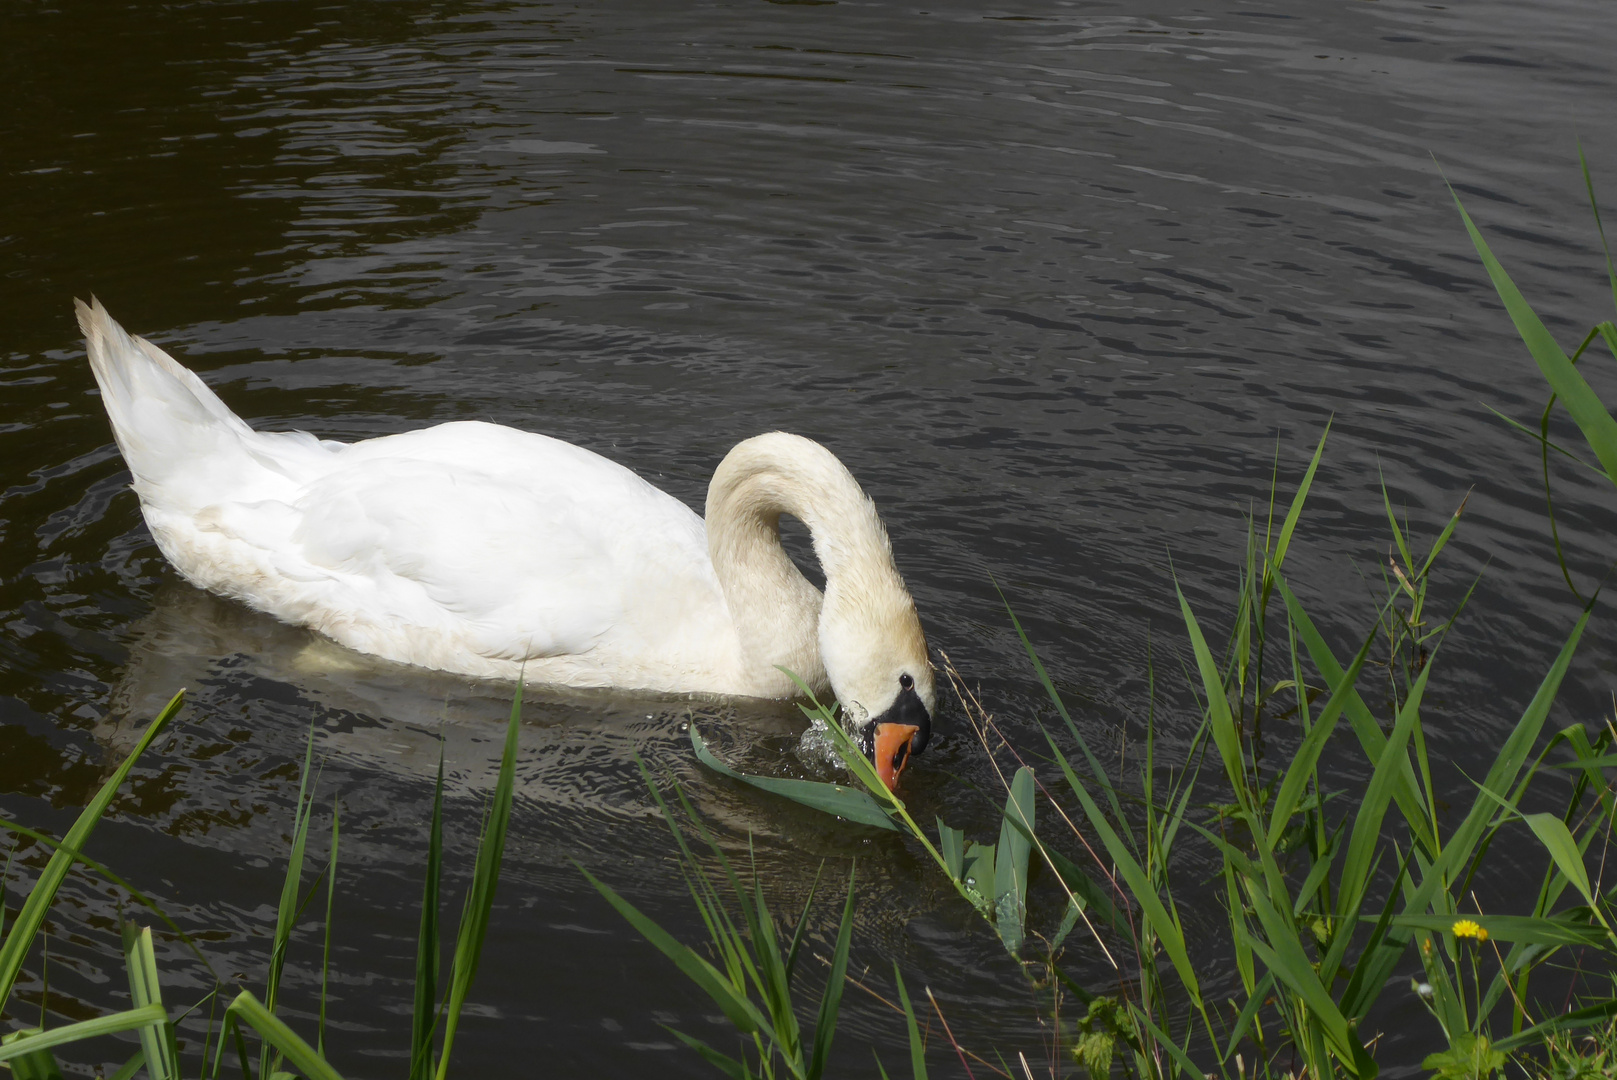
775,610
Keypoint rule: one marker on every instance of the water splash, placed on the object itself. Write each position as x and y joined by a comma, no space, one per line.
817,747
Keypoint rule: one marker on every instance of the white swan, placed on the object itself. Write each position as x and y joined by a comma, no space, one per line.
479,549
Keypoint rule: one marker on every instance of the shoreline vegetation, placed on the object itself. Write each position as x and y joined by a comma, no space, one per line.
1335,900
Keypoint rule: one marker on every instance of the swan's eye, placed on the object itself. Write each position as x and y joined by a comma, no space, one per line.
905,681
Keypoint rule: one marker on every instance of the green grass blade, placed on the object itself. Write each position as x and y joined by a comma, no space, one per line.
1508,763
741,1012
729,1066
1569,385
1011,861
14,949
1249,1012
1162,1039
286,912
1559,930
825,1026
1283,955
1295,513
1594,206
1082,887
246,1009
802,925
331,901
1095,768
1380,954
772,980
1139,885
128,1069
952,842
838,800
1301,770
485,879
1405,791
157,1041
424,1019
128,1020
917,1047
1587,1016
1378,794
1392,521
108,874
1557,840
1443,538
1225,736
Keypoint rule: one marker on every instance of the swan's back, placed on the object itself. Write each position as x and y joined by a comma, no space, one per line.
466,547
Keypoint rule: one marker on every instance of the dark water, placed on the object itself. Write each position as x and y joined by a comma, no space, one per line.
1051,278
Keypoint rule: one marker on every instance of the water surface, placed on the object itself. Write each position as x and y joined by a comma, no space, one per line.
1053,279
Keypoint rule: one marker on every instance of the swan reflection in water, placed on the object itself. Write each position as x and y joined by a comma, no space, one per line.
255,685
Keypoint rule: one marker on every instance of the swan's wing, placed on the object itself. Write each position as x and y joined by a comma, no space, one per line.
518,562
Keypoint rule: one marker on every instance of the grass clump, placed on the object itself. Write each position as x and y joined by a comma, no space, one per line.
1328,893
31,1053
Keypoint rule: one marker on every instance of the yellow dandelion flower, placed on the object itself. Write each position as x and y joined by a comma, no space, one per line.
1468,928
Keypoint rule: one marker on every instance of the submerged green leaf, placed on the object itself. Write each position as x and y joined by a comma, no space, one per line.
835,799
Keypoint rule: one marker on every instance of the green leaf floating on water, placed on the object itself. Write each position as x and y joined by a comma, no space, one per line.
843,802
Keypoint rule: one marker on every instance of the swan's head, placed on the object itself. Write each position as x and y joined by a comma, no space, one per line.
875,657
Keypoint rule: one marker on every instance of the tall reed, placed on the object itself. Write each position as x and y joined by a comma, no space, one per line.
31,1053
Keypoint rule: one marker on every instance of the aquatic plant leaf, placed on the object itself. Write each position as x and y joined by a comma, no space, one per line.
1587,1016
1555,930
831,1001
331,903
1371,738
287,911
952,842
424,1021
1557,840
917,1047
1295,512
835,799
1507,764
1225,736
741,1013
1011,861
1069,919
1164,925
1162,1039
246,1009
128,1069
729,1066
1584,405
1082,886
1378,795
485,879
157,1041
1284,956
980,876
21,1043
1301,769
28,920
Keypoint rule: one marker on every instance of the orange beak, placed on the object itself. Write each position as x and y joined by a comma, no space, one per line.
893,751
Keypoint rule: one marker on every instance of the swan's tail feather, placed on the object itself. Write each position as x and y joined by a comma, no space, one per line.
185,448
